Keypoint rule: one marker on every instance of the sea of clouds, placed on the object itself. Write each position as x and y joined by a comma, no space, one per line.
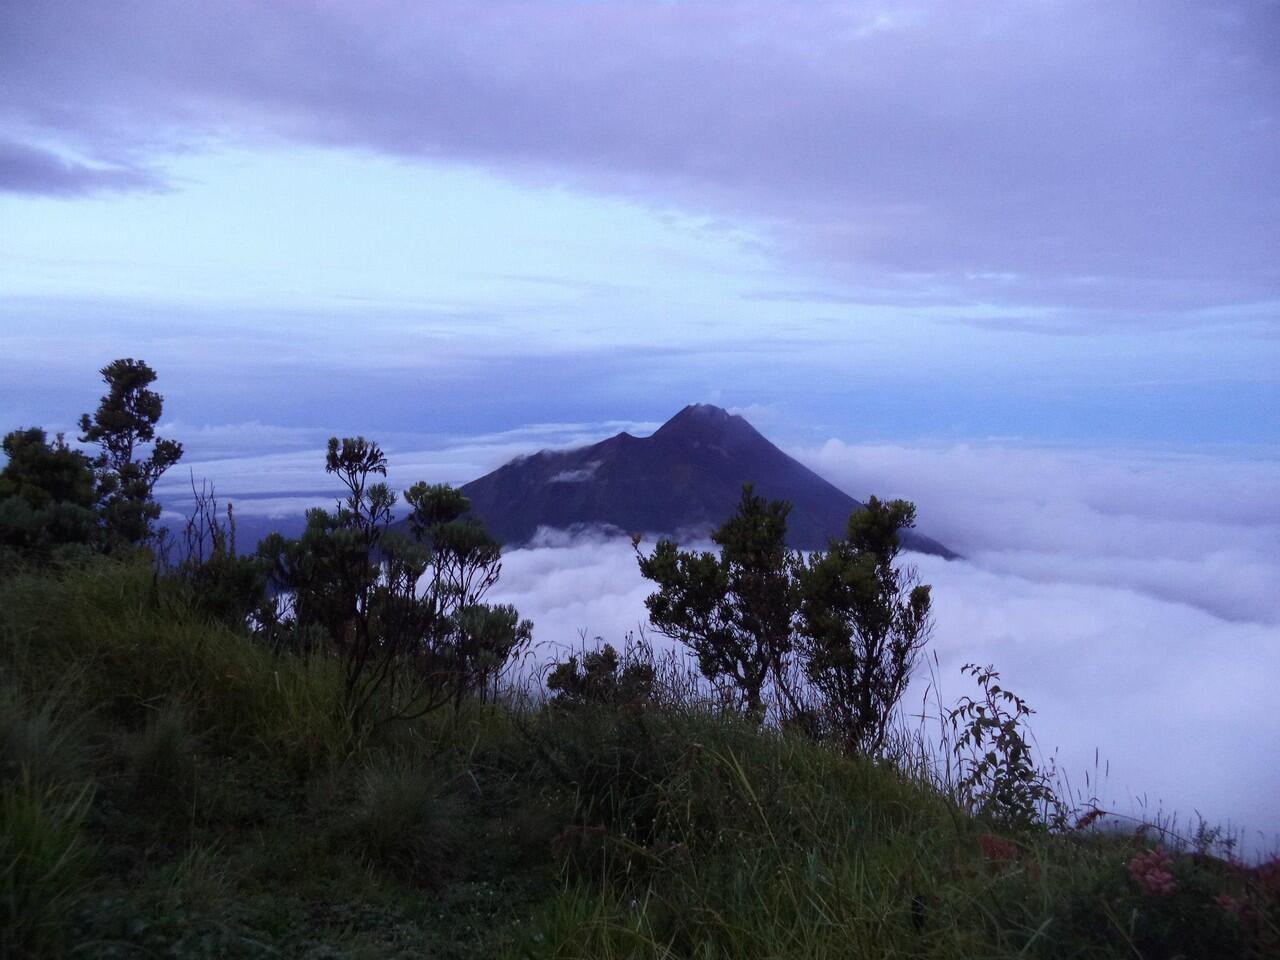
1133,598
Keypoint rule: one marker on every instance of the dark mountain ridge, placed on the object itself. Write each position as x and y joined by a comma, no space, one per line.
686,477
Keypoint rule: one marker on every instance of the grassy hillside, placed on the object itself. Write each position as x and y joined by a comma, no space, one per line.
171,788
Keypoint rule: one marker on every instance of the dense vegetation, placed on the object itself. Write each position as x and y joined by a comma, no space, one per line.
321,749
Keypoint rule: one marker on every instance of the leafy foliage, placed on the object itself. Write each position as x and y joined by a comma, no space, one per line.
601,677
733,610
42,473
834,639
863,620
999,776
123,426
510,826
46,496
404,613
508,830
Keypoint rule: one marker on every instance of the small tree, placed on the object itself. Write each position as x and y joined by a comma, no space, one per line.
734,610
122,426
470,641
46,495
863,621
999,777
403,612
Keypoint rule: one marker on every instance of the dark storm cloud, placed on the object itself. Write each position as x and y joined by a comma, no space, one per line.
1065,153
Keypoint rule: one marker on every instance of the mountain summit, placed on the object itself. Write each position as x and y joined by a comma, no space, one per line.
686,477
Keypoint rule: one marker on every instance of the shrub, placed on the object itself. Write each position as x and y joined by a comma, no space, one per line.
998,775
122,425
734,610
46,497
834,639
863,621
602,678
404,614
220,583
404,820
161,758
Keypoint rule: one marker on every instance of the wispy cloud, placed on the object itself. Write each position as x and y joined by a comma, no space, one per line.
576,476
29,169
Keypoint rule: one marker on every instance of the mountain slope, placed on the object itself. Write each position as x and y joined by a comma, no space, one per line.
687,476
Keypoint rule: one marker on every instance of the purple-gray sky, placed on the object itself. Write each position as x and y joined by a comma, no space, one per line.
1015,260
1062,217
1091,155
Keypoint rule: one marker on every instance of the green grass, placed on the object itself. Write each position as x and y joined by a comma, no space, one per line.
161,756
171,789
405,819
43,857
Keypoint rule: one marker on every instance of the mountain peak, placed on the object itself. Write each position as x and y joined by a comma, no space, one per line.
703,420
706,411
687,476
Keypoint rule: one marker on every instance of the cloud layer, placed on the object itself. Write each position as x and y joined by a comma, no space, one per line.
1196,529
1132,599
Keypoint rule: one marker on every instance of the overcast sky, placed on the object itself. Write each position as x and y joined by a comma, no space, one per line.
1017,261
1042,219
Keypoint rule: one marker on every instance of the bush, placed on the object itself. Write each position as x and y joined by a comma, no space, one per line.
999,778
404,820
46,497
602,678
161,758
403,613
219,582
122,426
733,610
863,620
831,639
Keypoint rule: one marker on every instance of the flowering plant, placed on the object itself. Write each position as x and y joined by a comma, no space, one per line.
1150,871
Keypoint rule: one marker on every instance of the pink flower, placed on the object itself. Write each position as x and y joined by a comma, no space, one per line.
1150,872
